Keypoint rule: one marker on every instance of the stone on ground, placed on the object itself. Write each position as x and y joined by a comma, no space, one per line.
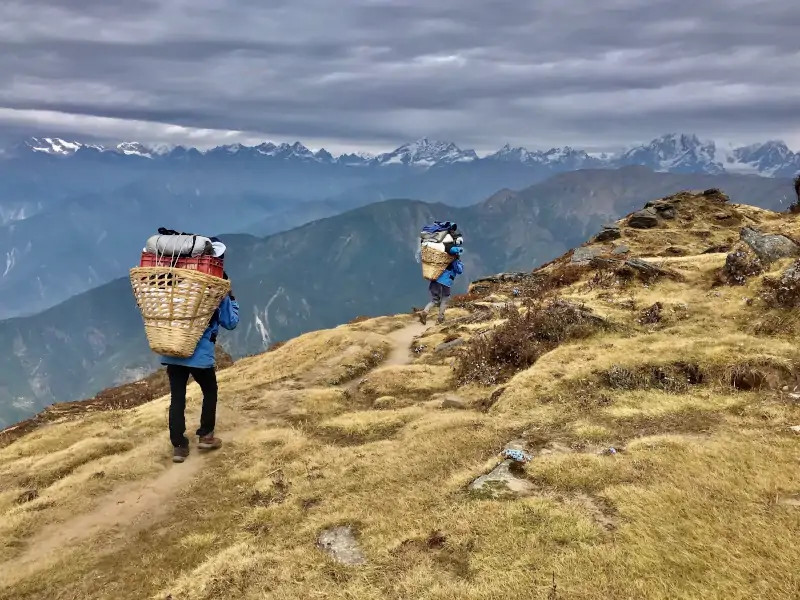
341,545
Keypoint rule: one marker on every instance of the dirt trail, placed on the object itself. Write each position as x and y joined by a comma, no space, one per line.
129,508
401,342
135,506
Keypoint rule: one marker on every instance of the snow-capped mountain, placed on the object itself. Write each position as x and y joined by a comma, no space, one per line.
516,155
566,158
268,149
570,159
675,153
135,149
772,159
54,146
427,153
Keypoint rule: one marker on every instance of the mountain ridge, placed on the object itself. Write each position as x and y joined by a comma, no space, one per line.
670,152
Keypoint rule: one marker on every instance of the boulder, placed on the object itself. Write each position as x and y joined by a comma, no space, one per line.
785,291
740,264
452,401
649,271
609,233
716,194
443,347
665,208
769,247
644,219
585,254
502,278
621,249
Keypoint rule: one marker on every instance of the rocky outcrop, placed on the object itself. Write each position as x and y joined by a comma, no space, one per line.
716,194
643,219
502,278
585,254
610,232
769,247
665,208
784,292
754,252
635,266
740,264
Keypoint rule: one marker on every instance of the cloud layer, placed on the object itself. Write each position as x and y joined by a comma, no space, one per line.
374,73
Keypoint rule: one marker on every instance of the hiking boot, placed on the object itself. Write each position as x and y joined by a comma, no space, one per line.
423,317
440,320
209,442
180,454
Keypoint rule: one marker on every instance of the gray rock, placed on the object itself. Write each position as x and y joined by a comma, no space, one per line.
648,270
621,249
454,402
667,213
341,545
644,219
740,264
665,209
501,481
611,231
585,254
450,345
769,247
502,278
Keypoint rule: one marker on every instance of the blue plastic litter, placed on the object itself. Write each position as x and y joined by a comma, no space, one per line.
515,455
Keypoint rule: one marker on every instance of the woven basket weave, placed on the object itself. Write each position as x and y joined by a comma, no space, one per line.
434,263
176,305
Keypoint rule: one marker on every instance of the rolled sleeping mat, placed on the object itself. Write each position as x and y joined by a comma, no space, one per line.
179,245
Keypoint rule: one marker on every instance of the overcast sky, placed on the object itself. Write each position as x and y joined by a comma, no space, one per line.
372,74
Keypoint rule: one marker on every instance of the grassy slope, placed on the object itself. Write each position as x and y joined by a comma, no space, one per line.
700,502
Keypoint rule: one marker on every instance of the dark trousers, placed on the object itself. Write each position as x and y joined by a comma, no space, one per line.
178,379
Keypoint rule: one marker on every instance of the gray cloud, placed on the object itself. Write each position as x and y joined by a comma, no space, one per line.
374,73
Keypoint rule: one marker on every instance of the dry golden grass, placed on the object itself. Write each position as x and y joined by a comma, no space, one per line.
702,499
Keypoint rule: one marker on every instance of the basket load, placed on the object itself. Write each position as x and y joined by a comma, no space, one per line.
178,285
436,243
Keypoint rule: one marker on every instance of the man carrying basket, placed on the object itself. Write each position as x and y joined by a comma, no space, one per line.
200,366
440,288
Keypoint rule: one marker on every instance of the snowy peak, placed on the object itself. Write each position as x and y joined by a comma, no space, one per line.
772,158
570,158
285,151
296,150
677,153
356,159
135,149
324,156
53,146
426,153
556,158
516,155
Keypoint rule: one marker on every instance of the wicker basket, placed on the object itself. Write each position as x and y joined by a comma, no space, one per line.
434,263
176,305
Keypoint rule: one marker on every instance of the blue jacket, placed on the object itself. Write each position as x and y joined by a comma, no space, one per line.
203,357
453,269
